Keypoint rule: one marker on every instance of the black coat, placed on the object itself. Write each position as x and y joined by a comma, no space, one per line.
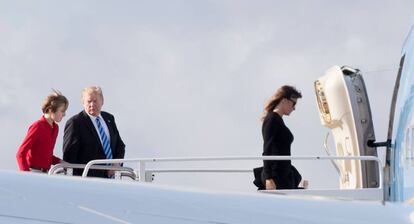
81,142
277,139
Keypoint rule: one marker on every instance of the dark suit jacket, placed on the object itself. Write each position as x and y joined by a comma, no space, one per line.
81,142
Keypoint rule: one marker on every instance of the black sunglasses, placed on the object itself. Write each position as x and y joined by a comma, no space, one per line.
294,102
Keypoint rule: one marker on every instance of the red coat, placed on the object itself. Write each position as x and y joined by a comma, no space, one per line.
36,150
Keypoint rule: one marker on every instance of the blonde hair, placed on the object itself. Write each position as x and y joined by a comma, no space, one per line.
92,89
288,92
53,101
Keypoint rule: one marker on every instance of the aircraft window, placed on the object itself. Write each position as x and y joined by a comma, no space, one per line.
322,102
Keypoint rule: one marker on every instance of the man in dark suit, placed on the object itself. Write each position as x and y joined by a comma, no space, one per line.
92,134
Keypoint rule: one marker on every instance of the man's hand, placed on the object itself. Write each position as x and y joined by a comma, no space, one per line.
111,173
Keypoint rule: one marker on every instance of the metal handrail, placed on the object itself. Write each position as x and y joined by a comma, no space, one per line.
328,152
125,171
199,170
142,171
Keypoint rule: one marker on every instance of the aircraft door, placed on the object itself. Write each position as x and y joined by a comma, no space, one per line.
344,109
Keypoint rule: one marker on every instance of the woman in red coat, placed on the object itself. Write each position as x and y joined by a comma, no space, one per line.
36,151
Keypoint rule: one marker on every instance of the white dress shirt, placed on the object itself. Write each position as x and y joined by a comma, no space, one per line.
105,127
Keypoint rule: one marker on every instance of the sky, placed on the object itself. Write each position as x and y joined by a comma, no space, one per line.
190,78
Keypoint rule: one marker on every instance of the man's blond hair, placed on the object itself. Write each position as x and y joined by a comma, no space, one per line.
92,90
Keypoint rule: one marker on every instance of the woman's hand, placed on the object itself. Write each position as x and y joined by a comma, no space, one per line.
270,184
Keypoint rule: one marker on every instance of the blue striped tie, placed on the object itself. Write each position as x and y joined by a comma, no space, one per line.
105,140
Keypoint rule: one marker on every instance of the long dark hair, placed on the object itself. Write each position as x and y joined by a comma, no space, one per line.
288,92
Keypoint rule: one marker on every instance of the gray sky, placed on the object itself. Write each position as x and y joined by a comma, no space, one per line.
190,78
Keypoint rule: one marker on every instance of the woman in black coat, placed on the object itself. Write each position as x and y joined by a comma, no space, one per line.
279,174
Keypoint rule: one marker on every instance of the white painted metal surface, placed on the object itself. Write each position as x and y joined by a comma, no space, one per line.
36,198
344,109
376,193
